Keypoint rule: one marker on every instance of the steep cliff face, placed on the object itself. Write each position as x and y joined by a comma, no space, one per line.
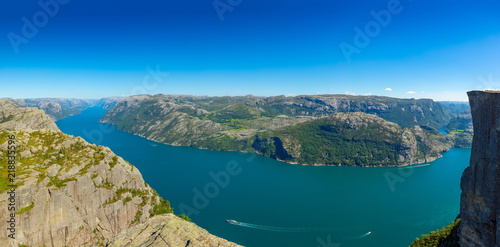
72,188
72,193
480,200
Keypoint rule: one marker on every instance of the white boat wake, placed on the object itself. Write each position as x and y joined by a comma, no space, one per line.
295,229
411,167
362,236
289,229
419,165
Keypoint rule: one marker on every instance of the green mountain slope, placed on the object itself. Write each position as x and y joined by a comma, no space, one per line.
301,133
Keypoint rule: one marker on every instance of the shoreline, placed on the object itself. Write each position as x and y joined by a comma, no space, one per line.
288,162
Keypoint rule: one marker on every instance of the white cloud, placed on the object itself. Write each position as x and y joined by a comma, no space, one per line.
388,89
290,94
411,92
349,93
317,92
367,94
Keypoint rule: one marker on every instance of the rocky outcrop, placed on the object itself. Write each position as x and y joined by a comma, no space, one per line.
72,193
78,191
480,199
13,117
167,230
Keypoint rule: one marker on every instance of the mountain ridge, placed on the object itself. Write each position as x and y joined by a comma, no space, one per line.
232,123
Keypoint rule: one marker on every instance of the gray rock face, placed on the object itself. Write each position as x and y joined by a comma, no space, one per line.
167,230
13,117
480,200
72,193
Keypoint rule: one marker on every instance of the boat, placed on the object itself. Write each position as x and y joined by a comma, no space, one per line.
233,222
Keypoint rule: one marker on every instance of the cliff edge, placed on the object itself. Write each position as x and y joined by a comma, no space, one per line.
59,190
480,199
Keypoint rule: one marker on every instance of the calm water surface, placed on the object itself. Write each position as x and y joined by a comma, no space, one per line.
289,205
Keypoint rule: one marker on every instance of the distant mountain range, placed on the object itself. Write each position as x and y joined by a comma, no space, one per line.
59,108
306,129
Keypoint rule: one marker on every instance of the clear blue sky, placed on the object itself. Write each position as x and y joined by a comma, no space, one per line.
93,49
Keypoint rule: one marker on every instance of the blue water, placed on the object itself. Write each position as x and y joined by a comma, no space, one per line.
442,130
289,205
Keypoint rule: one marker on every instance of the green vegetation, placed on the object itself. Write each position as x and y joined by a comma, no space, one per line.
161,207
231,113
137,217
6,119
45,150
327,141
184,217
26,209
435,238
247,124
112,200
127,199
58,182
113,162
105,184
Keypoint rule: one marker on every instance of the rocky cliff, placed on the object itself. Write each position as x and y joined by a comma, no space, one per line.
13,117
72,193
167,230
480,199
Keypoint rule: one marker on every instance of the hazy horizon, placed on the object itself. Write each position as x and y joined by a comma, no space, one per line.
259,96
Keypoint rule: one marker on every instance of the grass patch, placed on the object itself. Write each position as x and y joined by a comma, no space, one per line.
58,182
127,199
113,162
26,209
106,184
